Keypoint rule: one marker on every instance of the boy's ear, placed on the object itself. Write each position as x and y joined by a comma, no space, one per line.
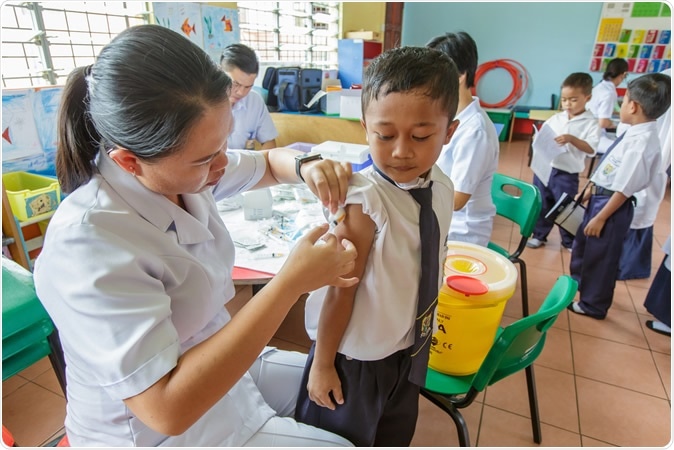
451,129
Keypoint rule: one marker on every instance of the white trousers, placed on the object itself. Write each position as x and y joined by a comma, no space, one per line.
277,374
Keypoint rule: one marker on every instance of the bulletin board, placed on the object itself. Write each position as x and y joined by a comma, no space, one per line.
639,32
210,27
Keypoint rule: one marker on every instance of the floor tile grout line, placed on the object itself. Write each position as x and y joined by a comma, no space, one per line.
625,388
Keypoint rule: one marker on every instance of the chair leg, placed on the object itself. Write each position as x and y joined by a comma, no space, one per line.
533,405
448,407
524,288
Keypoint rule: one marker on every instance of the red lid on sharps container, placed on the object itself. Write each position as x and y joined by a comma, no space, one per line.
467,285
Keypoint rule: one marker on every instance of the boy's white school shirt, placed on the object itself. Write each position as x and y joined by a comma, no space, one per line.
604,100
633,163
385,304
133,281
585,127
470,160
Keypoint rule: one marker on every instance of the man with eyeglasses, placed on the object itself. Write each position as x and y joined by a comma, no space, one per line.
252,121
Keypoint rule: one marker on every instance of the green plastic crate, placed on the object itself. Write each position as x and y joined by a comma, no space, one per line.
25,322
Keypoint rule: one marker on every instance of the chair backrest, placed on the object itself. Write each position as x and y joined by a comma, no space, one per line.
518,345
522,208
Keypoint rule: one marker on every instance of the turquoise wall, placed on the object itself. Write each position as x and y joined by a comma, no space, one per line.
550,39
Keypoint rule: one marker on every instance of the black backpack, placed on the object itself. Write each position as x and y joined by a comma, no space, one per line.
291,88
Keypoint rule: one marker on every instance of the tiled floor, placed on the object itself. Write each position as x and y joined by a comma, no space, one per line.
600,383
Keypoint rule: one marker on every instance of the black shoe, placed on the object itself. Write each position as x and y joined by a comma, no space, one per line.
649,325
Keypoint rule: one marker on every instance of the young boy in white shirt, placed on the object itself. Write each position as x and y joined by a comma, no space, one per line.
626,168
371,342
576,129
471,158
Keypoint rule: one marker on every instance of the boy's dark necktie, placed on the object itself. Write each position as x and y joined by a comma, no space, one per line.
429,234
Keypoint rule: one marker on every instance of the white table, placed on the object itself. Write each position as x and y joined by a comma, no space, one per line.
278,234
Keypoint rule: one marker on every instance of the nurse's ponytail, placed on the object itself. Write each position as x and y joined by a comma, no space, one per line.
78,141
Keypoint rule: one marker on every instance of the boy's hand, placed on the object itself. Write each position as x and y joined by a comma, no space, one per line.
323,381
563,139
594,227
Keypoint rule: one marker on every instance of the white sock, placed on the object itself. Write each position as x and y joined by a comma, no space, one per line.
576,307
661,326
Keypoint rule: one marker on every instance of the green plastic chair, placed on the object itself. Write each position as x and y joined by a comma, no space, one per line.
28,334
522,208
515,347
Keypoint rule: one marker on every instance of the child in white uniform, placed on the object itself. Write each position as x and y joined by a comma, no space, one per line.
604,100
471,158
627,167
136,265
635,261
576,129
357,380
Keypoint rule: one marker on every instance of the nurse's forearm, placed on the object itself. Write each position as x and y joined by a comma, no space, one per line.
207,371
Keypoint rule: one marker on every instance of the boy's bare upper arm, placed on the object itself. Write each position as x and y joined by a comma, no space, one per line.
358,228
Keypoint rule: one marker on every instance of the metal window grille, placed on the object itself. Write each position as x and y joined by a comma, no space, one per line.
303,33
42,42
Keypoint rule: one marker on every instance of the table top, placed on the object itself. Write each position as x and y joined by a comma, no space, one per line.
262,246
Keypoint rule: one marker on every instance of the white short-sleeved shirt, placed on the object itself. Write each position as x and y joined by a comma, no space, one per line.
585,127
633,163
251,121
384,308
470,160
132,281
604,100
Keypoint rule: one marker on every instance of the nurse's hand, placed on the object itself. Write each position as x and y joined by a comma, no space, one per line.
329,180
315,263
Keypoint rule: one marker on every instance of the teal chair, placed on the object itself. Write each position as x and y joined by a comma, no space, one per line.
522,207
28,334
515,347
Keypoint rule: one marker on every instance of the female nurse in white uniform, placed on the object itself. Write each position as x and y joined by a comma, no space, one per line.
136,265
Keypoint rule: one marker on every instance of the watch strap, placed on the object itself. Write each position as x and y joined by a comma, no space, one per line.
301,159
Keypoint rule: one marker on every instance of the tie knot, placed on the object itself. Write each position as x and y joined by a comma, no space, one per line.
423,196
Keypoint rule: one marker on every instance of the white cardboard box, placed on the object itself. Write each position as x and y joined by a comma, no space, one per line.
330,104
349,104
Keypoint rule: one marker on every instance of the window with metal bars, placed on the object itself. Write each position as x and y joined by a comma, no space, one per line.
284,33
42,42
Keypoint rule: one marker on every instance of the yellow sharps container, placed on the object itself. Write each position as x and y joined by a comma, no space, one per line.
478,283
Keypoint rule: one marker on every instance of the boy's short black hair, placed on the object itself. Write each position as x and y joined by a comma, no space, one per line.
407,69
462,49
652,92
241,57
579,80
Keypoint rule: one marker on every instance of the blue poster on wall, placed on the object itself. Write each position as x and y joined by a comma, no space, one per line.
210,27
29,130
221,28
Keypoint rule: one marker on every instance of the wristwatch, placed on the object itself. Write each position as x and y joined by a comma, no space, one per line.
304,158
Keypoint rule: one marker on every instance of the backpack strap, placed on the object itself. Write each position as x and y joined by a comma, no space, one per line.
280,96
